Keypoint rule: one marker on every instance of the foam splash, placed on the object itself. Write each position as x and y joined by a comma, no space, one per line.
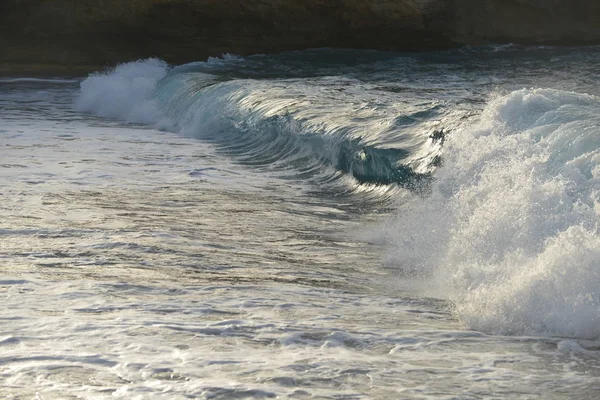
510,233
126,92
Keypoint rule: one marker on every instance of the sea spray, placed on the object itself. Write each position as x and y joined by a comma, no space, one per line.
125,92
510,232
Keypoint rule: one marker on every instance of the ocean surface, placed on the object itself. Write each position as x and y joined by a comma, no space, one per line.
324,224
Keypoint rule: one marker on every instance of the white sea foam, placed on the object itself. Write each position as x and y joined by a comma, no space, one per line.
510,233
125,92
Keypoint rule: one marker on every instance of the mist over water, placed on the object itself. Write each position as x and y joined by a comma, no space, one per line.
325,223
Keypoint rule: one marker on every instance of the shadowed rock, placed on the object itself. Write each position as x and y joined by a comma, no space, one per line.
86,34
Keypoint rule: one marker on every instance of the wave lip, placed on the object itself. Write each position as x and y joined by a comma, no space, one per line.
284,123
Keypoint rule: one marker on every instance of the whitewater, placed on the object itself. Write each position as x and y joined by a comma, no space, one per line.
325,224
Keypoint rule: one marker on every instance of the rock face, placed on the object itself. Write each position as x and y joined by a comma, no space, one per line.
99,32
565,22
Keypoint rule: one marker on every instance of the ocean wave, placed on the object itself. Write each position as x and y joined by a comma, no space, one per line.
507,230
510,231
322,128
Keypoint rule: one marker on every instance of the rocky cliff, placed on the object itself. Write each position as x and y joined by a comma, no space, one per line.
83,33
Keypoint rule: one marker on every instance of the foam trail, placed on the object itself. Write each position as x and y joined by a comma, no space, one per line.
510,233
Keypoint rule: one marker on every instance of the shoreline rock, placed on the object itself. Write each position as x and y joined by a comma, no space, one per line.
73,36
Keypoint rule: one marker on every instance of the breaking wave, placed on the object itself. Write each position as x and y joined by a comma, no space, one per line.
510,231
507,230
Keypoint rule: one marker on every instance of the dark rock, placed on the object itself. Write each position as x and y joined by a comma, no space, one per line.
83,34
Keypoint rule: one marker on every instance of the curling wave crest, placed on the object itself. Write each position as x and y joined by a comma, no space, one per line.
324,129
